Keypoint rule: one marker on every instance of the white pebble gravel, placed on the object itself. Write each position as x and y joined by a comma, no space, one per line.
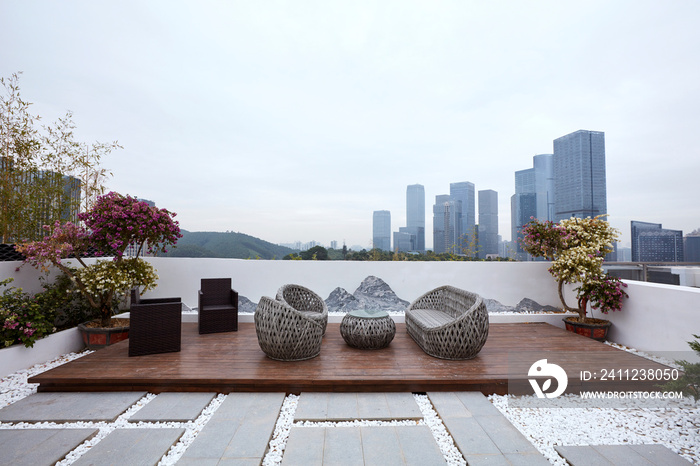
676,426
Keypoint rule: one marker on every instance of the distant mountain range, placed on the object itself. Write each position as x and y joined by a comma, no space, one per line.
225,245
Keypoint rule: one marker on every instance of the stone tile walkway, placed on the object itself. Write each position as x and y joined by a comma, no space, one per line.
132,428
481,432
633,455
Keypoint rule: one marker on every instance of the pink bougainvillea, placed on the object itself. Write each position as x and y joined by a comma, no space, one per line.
112,225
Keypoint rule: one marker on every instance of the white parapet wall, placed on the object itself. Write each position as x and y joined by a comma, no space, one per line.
507,282
657,318
19,357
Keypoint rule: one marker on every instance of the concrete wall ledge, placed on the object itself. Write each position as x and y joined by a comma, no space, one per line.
19,357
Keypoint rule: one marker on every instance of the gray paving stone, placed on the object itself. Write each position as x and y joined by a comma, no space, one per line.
448,405
68,407
581,455
372,406
621,455
350,406
659,454
36,447
239,430
343,446
134,447
527,459
312,407
477,404
342,407
403,406
173,407
487,460
469,437
505,435
380,446
304,446
419,446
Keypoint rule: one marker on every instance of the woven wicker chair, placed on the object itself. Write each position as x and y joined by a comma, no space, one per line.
448,323
305,301
155,325
286,334
218,306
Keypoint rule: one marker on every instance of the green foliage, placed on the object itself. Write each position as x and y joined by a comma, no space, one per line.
24,319
225,245
317,253
689,382
42,170
69,305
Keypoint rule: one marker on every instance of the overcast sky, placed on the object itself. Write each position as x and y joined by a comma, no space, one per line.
296,120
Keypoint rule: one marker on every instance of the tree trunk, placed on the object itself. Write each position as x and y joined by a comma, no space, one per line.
581,309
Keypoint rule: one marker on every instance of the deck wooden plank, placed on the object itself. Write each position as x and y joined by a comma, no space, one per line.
233,361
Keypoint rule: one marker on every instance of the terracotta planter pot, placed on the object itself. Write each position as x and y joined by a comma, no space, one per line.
99,337
597,329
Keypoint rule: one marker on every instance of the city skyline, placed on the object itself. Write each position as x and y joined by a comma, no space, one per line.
295,122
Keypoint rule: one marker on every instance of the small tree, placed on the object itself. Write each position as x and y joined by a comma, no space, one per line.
577,248
43,170
114,224
689,382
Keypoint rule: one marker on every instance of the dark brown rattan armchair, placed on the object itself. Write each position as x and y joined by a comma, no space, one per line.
155,325
218,306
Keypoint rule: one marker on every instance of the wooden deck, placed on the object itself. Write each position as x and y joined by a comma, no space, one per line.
227,362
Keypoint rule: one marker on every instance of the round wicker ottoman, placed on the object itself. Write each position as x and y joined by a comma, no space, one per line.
366,329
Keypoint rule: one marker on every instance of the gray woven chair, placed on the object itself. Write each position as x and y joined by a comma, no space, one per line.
448,323
286,334
305,301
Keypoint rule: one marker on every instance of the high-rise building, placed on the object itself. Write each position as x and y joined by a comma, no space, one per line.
464,193
534,197
543,166
488,223
447,222
381,230
652,243
579,175
404,240
415,214
691,247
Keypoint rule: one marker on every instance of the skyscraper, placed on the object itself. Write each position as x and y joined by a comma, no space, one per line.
447,222
488,223
381,230
464,193
652,243
579,175
543,165
534,197
415,214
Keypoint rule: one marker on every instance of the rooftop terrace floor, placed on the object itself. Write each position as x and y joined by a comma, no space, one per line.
228,362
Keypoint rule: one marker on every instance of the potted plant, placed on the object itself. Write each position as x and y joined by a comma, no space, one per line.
577,248
113,224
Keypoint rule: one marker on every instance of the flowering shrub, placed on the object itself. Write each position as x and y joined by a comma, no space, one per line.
63,297
113,224
117,221
577,248
24,320
605,294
